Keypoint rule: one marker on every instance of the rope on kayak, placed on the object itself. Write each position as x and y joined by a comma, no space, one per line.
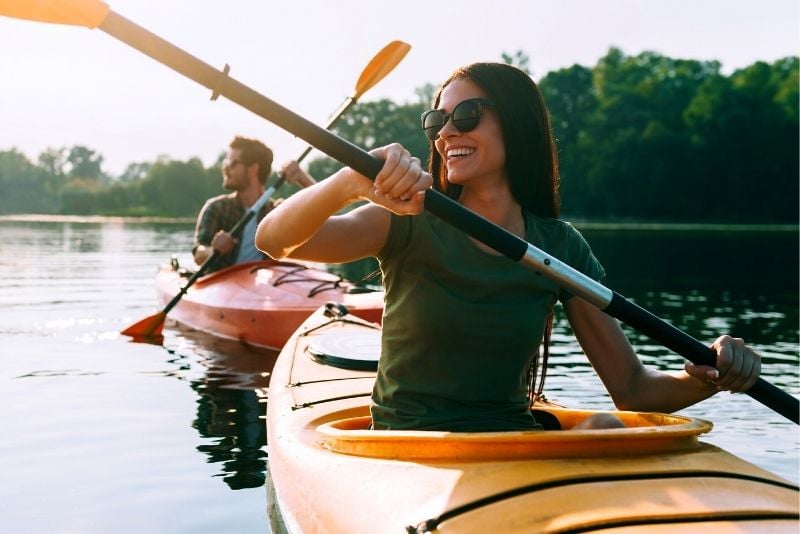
338,313
326,380
331,399
294,275
430,525
701,517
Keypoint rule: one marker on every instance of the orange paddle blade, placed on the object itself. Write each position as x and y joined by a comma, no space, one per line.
382,64
148,327
87,13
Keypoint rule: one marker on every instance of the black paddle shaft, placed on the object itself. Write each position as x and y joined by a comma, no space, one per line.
438,204
696,352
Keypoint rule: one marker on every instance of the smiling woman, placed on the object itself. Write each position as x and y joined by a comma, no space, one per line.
499,180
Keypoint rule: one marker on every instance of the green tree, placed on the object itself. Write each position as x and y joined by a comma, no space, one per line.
518,59
54,161
84,162
744,131
177,188
572,101
135,171
24,187
638,137
374,124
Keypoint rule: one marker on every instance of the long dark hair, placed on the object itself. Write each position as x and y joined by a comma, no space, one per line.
531,162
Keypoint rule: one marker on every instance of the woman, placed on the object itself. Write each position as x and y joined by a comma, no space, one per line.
461,323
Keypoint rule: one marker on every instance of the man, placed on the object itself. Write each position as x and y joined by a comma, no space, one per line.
245,170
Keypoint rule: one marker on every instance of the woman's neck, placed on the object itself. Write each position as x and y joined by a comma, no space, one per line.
497,205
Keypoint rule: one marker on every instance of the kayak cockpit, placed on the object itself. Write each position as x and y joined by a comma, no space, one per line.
644,433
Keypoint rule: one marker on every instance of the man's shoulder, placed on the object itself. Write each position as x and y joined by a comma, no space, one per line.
224,197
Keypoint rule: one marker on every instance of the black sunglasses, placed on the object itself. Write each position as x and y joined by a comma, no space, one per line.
466,116
231,163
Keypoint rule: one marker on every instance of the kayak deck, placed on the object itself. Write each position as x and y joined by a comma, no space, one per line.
331,474
261,302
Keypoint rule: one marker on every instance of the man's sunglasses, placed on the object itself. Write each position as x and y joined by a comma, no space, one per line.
231,163
466,116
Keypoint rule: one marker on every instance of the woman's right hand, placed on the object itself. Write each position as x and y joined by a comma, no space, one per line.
401,183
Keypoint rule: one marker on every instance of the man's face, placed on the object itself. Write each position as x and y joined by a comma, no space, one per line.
234,171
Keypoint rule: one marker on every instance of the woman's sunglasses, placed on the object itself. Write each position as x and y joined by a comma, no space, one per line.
466,116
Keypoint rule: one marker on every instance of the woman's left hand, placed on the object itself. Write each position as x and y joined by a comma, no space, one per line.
738,366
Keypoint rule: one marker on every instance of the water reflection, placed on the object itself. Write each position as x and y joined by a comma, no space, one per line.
232,421
230,380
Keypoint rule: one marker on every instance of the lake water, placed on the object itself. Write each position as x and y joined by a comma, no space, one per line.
106,435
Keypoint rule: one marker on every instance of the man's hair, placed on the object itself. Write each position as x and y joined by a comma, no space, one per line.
254,151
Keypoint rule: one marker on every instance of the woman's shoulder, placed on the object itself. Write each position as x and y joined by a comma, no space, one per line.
548,225
555,235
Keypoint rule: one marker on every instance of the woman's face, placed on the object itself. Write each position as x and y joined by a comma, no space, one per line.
474,157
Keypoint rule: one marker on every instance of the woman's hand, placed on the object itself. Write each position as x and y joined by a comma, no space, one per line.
738,366
401,183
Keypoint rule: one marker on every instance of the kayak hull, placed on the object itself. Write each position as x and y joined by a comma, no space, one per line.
261,302
329,473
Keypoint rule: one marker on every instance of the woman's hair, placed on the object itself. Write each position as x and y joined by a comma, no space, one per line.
254,151
531,161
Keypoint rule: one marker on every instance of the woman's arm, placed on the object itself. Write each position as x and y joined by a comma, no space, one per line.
632,386
305,226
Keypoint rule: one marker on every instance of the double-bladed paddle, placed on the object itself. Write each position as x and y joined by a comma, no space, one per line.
379,66
92,13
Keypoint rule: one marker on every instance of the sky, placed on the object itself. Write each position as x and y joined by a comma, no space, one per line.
62,86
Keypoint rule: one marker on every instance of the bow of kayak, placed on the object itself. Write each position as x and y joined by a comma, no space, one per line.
261,302
330,473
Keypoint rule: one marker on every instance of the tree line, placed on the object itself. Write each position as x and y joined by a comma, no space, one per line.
644,137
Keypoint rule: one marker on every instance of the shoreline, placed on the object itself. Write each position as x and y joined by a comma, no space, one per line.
602,226
88,219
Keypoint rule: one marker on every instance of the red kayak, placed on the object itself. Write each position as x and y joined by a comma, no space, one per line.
261,302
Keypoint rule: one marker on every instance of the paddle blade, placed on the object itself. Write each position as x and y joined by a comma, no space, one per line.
87,13
382,64
147,328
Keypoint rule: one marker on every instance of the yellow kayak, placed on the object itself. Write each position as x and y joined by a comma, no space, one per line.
330,473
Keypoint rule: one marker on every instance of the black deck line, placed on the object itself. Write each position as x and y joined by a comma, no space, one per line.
431,524
704,517
299,384
331,399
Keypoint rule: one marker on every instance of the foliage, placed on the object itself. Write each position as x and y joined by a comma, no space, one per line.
25,187
649,137
643,137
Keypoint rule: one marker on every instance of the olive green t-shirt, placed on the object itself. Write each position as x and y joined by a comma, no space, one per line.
461,325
